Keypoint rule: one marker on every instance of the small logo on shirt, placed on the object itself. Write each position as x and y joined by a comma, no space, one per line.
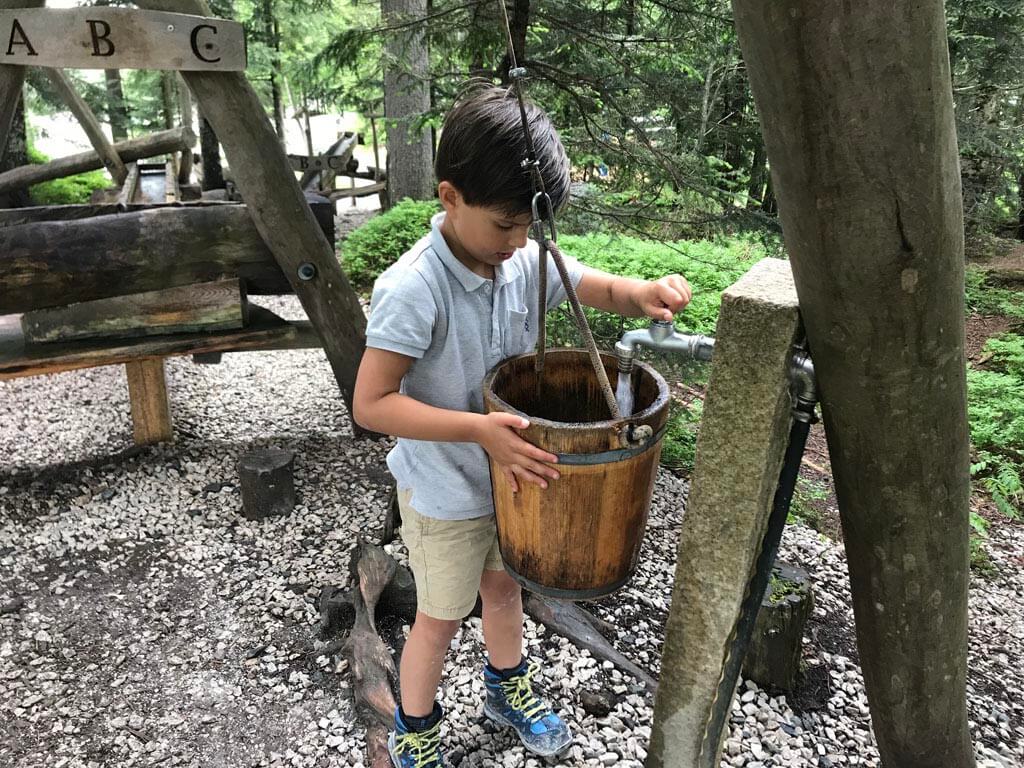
526,324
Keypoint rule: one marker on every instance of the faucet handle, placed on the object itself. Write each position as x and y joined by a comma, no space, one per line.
661,329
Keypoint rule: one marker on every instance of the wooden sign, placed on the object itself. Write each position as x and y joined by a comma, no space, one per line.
119,38
336,163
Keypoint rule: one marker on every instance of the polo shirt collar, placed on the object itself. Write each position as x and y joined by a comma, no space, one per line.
470,280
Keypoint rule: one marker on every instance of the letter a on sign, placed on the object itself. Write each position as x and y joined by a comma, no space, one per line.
120,38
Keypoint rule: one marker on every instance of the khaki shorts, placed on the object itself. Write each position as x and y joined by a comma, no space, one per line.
447,558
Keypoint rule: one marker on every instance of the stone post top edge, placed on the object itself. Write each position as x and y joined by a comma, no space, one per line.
768,281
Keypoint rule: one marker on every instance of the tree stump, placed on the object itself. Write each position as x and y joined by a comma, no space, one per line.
773,659
267,482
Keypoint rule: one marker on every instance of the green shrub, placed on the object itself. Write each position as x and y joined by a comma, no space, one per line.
376,245
984,299
71,190
995,409
709,266
680,441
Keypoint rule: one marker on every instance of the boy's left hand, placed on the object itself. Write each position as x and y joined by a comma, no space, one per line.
662,298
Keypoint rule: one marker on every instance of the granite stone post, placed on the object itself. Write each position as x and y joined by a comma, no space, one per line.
740,449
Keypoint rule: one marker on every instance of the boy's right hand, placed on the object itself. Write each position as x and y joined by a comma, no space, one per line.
516,457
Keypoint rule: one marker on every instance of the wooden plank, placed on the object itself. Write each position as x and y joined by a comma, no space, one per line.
265,331
120,38
336,163
171,192
147,392
56,263
205,307
111,161
160,143
11,79
364,191
131,182
279,209
10,217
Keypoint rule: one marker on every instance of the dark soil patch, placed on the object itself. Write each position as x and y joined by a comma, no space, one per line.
981,328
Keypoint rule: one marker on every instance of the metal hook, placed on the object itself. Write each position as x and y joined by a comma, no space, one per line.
538,222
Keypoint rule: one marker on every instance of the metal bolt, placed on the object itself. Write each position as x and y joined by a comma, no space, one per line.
170,27
307,271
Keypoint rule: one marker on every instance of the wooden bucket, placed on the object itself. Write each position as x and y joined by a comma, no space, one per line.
579,538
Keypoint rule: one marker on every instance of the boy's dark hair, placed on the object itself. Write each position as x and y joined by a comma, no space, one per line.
482,148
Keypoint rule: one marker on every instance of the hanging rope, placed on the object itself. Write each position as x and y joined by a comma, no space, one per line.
517,74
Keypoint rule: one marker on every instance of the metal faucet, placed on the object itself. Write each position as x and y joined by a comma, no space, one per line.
662,335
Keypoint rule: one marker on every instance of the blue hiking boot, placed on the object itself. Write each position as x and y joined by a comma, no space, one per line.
512,702
416,749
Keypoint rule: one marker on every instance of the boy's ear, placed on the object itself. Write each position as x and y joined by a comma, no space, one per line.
449,196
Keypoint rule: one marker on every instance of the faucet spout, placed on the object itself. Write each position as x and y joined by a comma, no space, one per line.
663,336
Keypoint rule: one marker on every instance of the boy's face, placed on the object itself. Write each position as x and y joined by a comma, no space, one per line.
483,237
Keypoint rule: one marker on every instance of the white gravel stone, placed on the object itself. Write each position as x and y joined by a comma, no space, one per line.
159,626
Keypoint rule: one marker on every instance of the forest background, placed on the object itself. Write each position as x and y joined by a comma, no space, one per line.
654,107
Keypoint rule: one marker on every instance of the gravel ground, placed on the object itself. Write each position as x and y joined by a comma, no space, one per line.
159,627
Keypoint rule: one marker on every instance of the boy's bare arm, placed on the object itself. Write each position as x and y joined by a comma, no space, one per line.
659,299
378,406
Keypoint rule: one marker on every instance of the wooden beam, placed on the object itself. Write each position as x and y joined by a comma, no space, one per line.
127,194
120,38
133,149
185,106
55,263
364,191
215,306
265,331
279,209
111,161
151,410
171,192
11,79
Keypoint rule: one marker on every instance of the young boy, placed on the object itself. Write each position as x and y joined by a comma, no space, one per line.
461,300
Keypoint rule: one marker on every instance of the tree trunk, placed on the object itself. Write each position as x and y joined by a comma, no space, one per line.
519,22
857,115
15,155
209,147
758,171
406,99
117,112
273,40
167,98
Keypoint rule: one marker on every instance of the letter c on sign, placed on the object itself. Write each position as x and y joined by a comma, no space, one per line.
195,42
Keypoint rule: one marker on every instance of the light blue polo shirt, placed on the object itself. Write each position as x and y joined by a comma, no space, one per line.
458,325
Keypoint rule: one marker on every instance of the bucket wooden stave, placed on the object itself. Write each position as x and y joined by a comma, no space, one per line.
580,537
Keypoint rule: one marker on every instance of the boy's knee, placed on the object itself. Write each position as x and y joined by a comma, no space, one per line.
441,630
497,588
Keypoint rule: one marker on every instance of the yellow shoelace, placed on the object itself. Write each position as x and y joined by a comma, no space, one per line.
519,694
422,745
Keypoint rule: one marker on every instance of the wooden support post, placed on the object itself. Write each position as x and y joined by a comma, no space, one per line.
151,410
185,107
279,209
11,79
111,161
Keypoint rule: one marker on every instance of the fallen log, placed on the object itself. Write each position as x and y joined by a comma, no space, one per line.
55,263
341,609
371,663
578,626
158,143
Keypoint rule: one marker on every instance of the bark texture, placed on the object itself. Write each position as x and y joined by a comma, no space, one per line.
857,113
406,98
